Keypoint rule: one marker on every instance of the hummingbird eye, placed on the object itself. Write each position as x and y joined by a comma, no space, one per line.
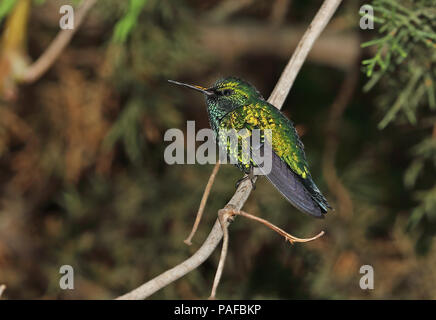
227,92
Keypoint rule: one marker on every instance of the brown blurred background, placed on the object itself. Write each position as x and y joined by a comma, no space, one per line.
83,181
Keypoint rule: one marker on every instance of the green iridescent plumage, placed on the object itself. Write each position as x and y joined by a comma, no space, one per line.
233,103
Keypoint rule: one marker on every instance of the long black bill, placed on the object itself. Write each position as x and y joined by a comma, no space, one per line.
197,88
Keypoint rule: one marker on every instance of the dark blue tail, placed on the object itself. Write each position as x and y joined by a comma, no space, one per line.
301,193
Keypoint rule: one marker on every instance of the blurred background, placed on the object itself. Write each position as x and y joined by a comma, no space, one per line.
83,181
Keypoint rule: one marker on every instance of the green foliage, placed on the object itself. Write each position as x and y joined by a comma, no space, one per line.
41,2
423,216
127,129
128,22
406,53
424,152
5,7
158,45
427,207
405,63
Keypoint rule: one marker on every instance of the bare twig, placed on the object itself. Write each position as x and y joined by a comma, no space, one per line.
287,236
180,270
242,193
44,62
224,217
203,203
288,76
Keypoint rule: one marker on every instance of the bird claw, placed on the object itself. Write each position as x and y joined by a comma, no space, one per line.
252,180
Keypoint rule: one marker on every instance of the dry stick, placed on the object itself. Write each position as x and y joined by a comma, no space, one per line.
203,203
44,62
227,214
288,76
224,216
243,191
287,236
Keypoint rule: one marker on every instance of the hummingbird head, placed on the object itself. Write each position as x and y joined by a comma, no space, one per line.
231,93
227,93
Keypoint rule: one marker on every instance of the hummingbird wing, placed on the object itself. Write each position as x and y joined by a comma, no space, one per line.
291,187
290,170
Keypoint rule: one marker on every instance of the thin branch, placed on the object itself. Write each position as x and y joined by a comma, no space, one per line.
225,216
203,203
242,193
280,92
59,43
288,237
180,270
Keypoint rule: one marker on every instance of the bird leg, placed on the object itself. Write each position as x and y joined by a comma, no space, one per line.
250,176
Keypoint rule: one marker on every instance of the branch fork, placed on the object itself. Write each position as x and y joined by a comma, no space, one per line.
225,217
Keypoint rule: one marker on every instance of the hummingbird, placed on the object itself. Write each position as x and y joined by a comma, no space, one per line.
233,103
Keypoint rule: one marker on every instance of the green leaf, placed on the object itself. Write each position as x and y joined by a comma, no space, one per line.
128,22
413,172
5,7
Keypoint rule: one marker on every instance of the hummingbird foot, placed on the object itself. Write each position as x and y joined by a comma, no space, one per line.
246,177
